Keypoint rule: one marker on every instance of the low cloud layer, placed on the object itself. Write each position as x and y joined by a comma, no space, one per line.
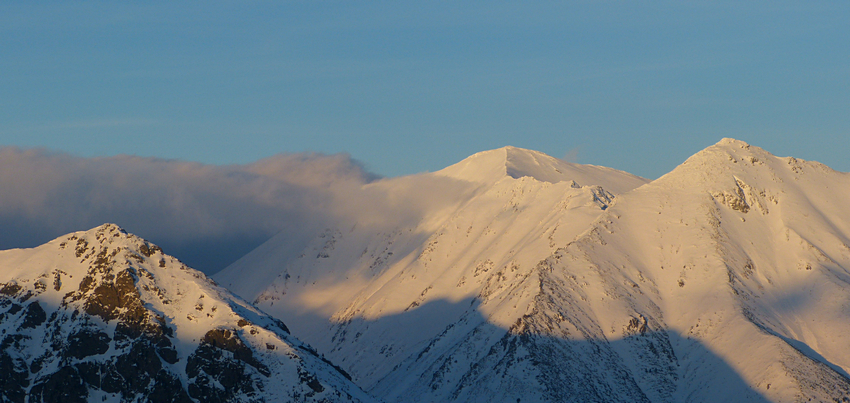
208,216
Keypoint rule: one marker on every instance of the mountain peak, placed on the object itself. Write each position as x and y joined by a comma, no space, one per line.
489,167
728,157
492,165
105,315
734,142
728,149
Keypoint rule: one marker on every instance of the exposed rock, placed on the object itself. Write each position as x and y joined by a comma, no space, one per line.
230,341
88,342
34,316
10,289
14,379
209,366
64,385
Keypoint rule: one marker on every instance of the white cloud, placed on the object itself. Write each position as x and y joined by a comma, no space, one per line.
206,215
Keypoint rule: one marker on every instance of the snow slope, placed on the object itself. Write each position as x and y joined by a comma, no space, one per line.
103,315
500,222
746,253
540,280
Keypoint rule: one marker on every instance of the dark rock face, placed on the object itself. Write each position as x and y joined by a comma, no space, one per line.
10,290
33,316
311,381
64,385
168,389
88,342
221,358
14,379
227,340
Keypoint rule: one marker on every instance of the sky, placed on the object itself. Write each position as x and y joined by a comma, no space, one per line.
159,89
407,87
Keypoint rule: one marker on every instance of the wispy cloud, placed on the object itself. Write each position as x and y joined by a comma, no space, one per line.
206,215
571,155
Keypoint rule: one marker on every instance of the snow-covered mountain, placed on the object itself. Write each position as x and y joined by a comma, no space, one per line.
103,315
539,280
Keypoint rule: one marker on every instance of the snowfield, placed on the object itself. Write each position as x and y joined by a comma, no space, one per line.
534,279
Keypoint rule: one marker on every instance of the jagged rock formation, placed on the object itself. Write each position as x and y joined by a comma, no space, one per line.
103,315
724,280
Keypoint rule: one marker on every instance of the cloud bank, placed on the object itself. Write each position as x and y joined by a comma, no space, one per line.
206,215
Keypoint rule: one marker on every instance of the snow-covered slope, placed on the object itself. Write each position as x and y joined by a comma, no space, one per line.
742,252
725,280
103,315
458,259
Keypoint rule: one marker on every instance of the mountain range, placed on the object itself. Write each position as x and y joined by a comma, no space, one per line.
511,276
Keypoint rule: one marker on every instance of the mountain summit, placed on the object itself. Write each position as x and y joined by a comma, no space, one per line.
513,162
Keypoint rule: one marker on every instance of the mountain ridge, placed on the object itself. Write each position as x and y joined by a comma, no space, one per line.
533,266
510,276
516,163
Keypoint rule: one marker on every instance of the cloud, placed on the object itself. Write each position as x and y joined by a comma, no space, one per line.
206,215
571,155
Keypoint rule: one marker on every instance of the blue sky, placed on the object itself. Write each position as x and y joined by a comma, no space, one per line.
406,87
